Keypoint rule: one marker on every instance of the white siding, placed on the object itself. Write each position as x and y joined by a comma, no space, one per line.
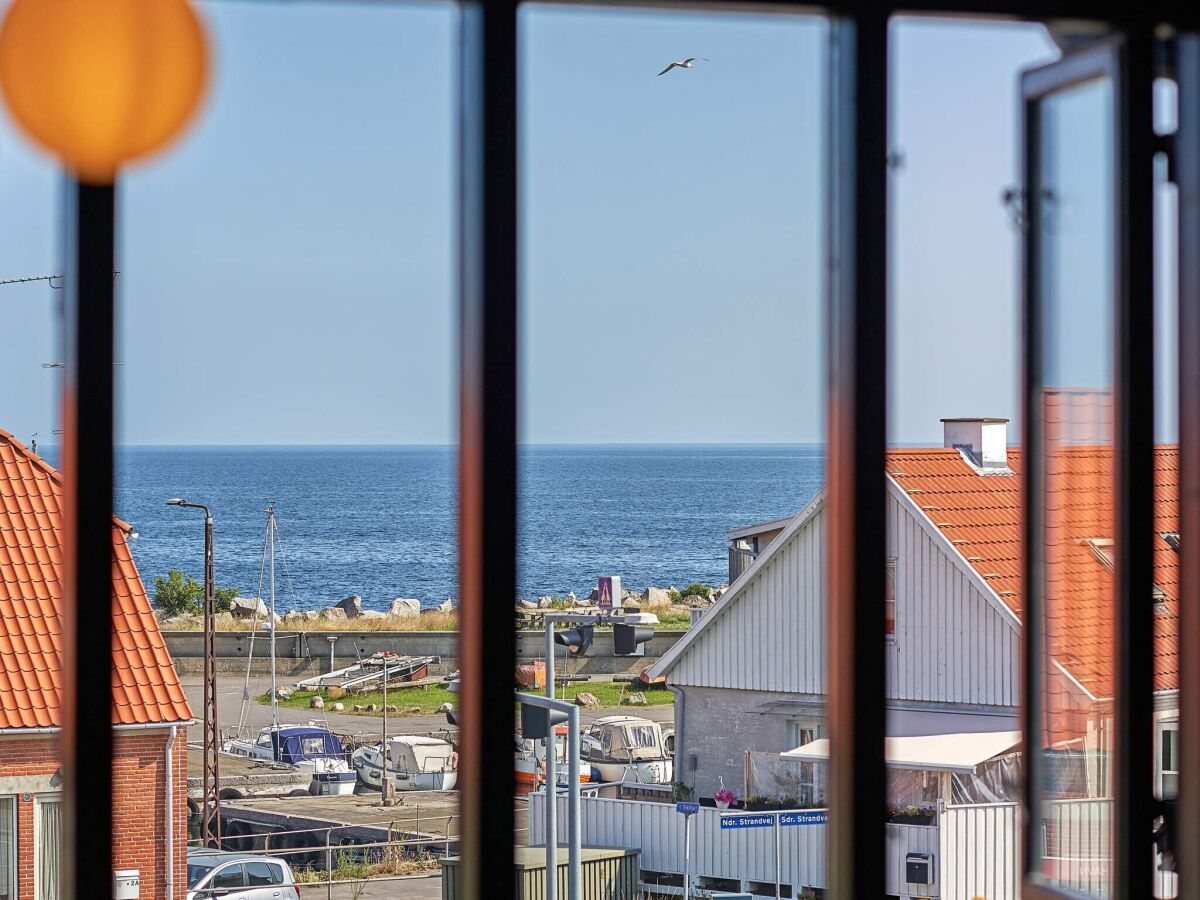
953,644
772,637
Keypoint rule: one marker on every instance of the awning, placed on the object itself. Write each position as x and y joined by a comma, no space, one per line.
960,752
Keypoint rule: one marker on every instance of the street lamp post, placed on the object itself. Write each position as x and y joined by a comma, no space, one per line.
210,828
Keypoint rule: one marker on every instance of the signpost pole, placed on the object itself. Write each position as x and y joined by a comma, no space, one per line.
687,858
687,809
777,859
551,776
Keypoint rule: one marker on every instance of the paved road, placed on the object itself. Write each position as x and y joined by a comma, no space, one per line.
229,702
429,888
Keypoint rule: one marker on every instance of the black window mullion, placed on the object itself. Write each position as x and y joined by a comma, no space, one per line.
487,439
1187,173
86,744
856,544
1133,860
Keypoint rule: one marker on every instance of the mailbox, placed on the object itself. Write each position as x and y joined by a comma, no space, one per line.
918,868
127,884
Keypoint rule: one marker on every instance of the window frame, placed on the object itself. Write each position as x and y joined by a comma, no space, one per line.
14,851
857,393
1126,60
1162,728
40,800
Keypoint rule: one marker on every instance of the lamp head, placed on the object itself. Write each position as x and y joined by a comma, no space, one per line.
176,501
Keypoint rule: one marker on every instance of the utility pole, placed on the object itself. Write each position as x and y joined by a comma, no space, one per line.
210,824
384,795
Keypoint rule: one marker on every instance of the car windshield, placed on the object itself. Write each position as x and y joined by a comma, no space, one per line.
196,871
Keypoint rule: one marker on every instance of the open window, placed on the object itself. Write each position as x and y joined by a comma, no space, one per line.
1088,446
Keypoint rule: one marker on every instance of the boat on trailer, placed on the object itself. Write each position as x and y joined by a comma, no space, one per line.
308,748
414,763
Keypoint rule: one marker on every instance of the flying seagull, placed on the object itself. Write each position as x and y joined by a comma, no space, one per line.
686,64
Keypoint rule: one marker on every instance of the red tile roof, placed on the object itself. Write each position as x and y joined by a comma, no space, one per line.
145,685
981,516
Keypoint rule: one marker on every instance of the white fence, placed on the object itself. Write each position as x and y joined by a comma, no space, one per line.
976,848
743,855
978,852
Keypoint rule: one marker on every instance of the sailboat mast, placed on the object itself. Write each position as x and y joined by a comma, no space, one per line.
271,546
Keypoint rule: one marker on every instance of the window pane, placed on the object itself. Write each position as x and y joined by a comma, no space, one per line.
1073,204
229,877
954,459
49,844
672,411
8,848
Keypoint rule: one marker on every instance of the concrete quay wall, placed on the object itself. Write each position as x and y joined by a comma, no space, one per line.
303,654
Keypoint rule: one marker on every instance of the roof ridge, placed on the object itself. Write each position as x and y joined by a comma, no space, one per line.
35,458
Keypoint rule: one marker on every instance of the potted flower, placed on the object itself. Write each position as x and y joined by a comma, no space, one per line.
724,797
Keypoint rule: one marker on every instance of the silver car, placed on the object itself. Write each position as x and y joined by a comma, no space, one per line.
238,876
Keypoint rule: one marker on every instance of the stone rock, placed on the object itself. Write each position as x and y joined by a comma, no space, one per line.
338,707
247,608
373,614
392,708
335,693
631,603
446,606
358,707
404,608
594,596
351,606
371,707
183,622
572,600
657,598
316,703
526,604
638,699
414,710
333,613
283,694
545,602
586,699
445,708
300,616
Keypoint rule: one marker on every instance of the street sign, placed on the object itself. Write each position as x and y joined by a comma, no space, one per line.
816,817
688,809
759,820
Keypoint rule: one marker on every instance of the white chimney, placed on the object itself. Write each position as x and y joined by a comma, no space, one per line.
984,441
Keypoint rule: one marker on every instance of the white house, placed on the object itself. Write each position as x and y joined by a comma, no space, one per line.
751,675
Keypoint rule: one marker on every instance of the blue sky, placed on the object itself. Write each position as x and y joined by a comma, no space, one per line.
287,271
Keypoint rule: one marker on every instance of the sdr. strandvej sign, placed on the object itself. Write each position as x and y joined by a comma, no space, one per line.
816,817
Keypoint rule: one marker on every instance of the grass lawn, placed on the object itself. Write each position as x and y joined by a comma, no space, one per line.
426,699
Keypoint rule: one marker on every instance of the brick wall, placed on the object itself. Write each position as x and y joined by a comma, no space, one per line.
139,835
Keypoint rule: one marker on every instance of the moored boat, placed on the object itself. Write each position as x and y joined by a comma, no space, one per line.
309,748
414,763
628,748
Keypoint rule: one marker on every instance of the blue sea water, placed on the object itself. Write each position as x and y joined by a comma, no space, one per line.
380,521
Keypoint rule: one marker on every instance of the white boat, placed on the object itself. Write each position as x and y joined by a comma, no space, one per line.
414,763
308,748
530,758
627,748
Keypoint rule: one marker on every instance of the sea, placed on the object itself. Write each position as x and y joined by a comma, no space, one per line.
379,522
